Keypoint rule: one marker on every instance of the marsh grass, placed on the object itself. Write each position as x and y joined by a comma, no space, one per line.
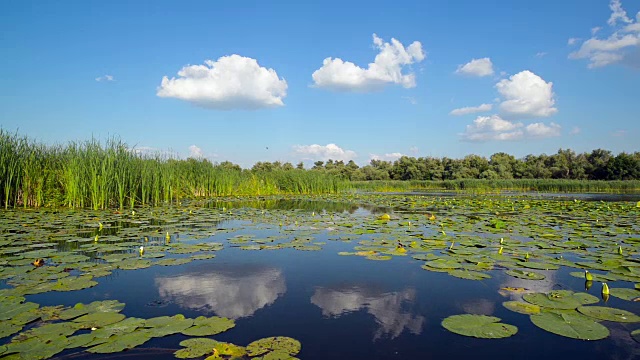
111,175
484,186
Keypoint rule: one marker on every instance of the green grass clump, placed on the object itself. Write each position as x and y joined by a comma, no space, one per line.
97,175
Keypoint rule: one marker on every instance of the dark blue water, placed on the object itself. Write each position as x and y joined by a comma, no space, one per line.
341,307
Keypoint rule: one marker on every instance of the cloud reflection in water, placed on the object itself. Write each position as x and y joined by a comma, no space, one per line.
388,308
233,292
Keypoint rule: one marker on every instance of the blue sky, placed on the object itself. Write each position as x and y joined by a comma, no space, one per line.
250,81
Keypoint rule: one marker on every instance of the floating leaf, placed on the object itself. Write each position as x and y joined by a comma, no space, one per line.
624,293
80,309
227,349
609,314
118,343
99,319
568,325
206,326
195,348
121,327
37,348
522,307
560,299
281,344
469,275
167,325
480,326
11,310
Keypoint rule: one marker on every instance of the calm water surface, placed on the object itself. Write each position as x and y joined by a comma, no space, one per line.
340,307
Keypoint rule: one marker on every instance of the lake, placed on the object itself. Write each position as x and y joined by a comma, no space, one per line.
334,274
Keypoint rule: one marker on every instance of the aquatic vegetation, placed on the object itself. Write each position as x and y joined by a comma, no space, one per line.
570,325
512,245
480,326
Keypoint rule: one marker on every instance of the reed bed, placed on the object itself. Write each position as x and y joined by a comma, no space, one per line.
98,175
478,185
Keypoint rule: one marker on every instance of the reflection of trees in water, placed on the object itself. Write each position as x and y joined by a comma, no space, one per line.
387,308
233,292
295,204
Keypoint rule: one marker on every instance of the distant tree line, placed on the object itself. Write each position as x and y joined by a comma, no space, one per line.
599,164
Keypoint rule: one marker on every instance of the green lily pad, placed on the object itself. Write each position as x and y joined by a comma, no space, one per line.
118,343
609,314
635,335
167,325
79,340
469,275
171,262
121,327
522,307
379,257
204,326
480,326
11,310
99,319
560,299
568,325
80,309
195,347
37,348
281,344
624,293
227,349
443,264
8,328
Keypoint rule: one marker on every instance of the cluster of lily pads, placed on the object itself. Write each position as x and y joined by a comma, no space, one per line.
99,327
466,237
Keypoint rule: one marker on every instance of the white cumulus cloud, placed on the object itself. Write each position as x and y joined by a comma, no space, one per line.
541,130
195,152
477,67
337,74
231,82
526,95
495,128
324,152
623,40
485,128
471,109
386,157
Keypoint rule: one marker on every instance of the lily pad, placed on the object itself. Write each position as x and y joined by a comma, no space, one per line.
167,325
469,275
522,307
609,314
624,293
480,326
207,326
99,319
118,343
560,299
195,347
227,349
281,344
572,326
37,348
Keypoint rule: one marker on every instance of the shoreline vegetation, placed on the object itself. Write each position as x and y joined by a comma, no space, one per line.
100,175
